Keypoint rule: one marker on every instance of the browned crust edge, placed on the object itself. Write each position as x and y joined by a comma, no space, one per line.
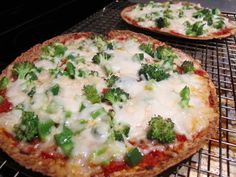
60,167
232,31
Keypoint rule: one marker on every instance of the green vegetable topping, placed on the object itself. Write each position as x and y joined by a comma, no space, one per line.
216,11
4,83
1,99
70,70
27,130
147,48
153,72
97,59
91,94
194,30
32,92
138,57
162,22
55,89
181,13
185,97
64,141
133,157
82,107
187,67
82,73
97,113
54,50
22,69
166,54
44,129
116,95
161,130
120,131
219,24
168,14
111,80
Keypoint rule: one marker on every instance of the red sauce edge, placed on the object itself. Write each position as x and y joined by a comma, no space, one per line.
5,106
113,167
200,72
181,138
222,32
211,100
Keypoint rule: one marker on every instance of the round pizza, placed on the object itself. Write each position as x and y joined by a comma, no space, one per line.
123,104
180,19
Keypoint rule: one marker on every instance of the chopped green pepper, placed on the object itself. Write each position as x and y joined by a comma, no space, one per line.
133,157
44,129
185,97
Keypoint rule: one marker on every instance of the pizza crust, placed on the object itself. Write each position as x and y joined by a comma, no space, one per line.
62,167
230,31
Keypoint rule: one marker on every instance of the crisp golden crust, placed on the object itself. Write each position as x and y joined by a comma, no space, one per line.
61,167
218,35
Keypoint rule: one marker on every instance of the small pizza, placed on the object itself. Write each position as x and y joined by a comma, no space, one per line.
123,104
180,19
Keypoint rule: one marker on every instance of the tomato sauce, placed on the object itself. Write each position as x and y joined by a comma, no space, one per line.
51,153
113,167
5,106
181,138
222,32
200,72
211,100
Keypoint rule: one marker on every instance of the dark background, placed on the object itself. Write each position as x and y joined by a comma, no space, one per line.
24,23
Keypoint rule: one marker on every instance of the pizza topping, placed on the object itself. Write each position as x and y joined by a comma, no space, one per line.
99,57
187,67
161,130
185,97
44,129
70,70
27,130
121,130
133,157
25,69
147,48
179,18
64,141
153,71
111,80
91,94
55,89
116,96
54,50
4,83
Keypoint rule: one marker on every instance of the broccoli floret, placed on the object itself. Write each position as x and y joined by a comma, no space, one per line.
165,54
153,72
56,49
185,97
219,23
22,69
216,11
70,70
116,95
4,83
147,48
168,13
187,67
100,41
91,93
27,130
194,30
120,131
111,80
161,130
97,59
162,22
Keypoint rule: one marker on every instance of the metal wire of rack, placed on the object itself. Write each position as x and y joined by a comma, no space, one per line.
217,57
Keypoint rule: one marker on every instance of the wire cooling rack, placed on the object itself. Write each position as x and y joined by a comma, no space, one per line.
217,57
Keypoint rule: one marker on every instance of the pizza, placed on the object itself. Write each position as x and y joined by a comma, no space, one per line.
180,19
124,104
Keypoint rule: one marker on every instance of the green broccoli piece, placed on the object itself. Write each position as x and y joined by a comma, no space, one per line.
166,54
181,13
133,157
194,30
111,80
56,49
162,22
216,11
187,67
161,130
101,56
91,93
219,23
147,48
70,70
168,13
120,131
116,95
153,72
101,42
185,97
4,83
44,129
64,141
22,69
27,130
55,89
